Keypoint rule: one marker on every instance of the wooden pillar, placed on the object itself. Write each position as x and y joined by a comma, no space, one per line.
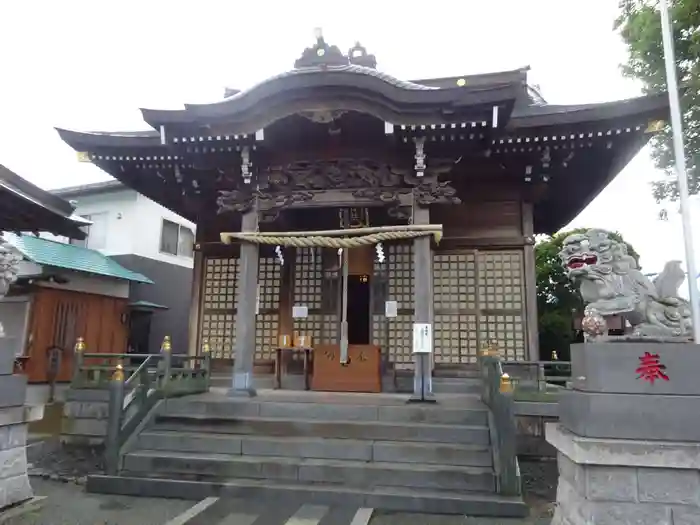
195,302
245,311
530,271
423,298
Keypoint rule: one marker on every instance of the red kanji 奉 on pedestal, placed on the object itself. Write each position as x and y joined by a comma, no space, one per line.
650,368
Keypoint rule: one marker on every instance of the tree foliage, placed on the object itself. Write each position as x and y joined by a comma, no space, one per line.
639,24
558,299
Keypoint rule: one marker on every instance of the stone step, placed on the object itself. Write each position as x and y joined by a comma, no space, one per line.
443,385
385,498
372,430
470,412
322,471
318,448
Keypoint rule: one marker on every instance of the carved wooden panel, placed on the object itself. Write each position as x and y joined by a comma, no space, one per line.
502,301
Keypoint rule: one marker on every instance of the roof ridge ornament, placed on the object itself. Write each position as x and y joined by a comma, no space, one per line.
321,54
357,55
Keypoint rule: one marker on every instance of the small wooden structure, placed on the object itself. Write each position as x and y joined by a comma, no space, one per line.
62,292
335,143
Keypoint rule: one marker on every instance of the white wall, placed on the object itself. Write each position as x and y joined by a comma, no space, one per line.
133,224
94,284
147,242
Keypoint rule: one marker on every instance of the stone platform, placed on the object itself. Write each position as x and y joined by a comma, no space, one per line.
628,439
369,450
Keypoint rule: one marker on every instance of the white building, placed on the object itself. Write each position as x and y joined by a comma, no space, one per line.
147,238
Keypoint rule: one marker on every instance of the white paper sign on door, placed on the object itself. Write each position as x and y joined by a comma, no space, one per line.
422,338
300,311
391,309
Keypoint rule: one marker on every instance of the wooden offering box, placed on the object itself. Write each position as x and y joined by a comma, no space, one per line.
361,374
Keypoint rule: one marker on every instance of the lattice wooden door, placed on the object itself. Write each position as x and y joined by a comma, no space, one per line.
316,288
395,335
502,301
219,300
456,310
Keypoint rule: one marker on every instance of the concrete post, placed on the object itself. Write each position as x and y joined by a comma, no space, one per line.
166,363
423,298
114,422
245,311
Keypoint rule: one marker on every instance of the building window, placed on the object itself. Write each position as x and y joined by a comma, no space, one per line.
176,239
96,233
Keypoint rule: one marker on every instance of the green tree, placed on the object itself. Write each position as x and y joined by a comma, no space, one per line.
558,299
639,24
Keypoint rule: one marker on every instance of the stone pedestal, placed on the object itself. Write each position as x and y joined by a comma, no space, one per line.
629,446
14,482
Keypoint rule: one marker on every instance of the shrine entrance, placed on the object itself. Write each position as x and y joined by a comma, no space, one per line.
359,288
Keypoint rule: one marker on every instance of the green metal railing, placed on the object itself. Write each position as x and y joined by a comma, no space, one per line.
135,389
538,381
497,395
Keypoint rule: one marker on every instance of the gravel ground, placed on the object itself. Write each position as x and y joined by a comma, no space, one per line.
59,477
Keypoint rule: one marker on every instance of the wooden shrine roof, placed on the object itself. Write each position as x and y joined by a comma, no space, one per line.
25,207
487,122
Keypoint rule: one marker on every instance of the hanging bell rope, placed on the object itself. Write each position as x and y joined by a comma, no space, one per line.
350,238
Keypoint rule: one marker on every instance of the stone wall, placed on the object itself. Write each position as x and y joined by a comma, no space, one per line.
607,495
85,415
14,482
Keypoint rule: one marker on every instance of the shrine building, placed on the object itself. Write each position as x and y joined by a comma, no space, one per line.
337,206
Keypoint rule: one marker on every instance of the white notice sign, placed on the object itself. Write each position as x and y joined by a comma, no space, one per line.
422,338
300,311
391,308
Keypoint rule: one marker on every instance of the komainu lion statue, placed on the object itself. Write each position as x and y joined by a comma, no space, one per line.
611,283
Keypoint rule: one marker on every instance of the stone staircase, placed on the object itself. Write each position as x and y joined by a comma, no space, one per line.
367,450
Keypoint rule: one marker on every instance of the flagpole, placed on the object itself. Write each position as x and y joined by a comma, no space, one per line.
681,173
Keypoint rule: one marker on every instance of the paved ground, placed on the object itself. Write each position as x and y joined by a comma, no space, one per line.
68,504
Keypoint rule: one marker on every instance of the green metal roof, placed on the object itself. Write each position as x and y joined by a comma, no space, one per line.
70,257
146,305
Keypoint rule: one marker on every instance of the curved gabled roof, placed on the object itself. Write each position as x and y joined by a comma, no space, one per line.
343,83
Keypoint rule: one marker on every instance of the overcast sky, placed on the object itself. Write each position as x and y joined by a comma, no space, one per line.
90,65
